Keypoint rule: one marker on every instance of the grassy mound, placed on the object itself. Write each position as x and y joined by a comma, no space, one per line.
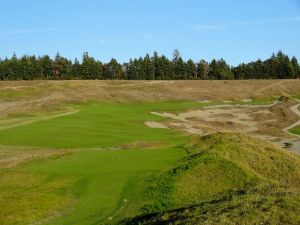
226,179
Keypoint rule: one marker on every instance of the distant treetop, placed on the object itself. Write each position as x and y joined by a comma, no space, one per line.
156,67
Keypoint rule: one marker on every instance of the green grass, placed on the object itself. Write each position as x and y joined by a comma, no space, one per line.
11,94
176,176
98,125
256,101
91,185
264,205
26,198
297,96
100,184
226,179
295,130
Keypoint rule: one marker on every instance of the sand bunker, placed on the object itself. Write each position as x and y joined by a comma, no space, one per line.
296,110
155,125
269,122
233,118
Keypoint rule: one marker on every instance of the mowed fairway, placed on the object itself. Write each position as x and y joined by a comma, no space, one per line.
97,125
93,185
106,182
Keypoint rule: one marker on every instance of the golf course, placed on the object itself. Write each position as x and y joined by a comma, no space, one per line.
74,159
150,112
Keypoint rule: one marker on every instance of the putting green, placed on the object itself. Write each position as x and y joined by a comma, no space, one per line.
97,125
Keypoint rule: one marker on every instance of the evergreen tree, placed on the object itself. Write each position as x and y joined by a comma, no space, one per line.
149,68
220,70
76,69
90,68
296,67
191,70
44,67
179,67
26,68
61,68
113,70
14,69
132,70
278,66
203,70
156,64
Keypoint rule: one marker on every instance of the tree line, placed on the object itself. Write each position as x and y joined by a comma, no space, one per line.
155,67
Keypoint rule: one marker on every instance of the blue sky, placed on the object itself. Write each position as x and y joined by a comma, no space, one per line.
236,30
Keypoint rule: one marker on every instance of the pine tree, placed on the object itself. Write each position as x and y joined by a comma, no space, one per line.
61,67
149,68
76,69
278,66
90,68
296,67
203,70
113,70
44,67
191,70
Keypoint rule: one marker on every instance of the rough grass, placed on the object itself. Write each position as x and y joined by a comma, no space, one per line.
256,101
27,198
268,205
297,96
21,93
226,179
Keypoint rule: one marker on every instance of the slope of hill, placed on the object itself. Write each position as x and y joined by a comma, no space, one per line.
226,179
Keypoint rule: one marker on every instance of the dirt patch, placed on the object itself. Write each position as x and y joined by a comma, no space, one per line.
296,110
12,156
141,145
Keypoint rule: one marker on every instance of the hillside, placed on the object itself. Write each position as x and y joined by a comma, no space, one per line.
226,179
